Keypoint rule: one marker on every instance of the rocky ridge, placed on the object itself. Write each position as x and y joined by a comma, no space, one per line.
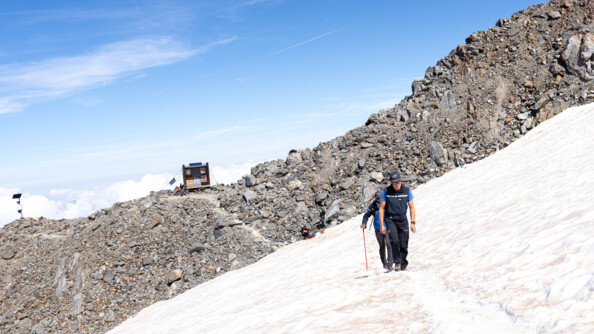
89,274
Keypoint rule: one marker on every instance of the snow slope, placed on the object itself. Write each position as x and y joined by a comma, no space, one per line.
505,245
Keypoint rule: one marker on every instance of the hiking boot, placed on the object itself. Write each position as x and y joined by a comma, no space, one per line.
397,267
403,269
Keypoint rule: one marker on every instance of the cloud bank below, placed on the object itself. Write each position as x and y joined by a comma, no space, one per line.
73,203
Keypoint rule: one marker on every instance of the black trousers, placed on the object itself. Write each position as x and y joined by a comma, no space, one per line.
381,240
397,233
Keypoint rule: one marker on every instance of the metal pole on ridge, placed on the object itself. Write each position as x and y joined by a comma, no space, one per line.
365,248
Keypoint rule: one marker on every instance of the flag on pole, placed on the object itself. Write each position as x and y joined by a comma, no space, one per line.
172,181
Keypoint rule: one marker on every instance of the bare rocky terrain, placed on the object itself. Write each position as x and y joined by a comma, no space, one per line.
89,274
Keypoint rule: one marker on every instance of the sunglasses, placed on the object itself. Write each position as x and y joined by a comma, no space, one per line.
396,182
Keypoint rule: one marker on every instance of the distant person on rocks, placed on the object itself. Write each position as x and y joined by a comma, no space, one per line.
322,224
373,209
306,233
394,202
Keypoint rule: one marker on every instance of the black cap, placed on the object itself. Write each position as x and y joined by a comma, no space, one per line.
395,176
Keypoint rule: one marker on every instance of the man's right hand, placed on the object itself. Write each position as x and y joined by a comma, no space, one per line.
383,230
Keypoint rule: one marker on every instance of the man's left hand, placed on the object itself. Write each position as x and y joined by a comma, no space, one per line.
413,228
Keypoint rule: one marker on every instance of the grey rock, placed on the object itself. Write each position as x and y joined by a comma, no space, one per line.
249,196
402,115
294,159
438,154
155,223
334,208
541,103
196,248
513,32
256,170
472,38
295,184
321,196
347,184
523,116
108,276
249,180
461,50
417,87
425,116
449,101
174,275
377,177
553,15
577,56
361,163
8,254
529,123
557,69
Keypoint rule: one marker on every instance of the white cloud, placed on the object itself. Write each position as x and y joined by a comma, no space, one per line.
8,105
22,84
230,173
69,203
8,206
73,203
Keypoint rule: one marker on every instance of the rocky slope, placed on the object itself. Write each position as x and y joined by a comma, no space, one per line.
89,274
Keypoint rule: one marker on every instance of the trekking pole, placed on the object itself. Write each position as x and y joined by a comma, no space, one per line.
365,248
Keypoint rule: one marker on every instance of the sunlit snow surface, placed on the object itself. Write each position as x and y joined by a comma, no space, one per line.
503,245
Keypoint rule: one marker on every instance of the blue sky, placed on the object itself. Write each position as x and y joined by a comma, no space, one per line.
95,93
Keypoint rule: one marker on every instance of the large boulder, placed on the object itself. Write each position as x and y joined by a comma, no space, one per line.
250,180
577,56
448,102
438,154
174,275
8,254
377,176
294,158
334,208
249,196
294,184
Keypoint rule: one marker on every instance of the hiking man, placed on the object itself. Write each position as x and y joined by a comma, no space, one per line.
373,209
394,202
